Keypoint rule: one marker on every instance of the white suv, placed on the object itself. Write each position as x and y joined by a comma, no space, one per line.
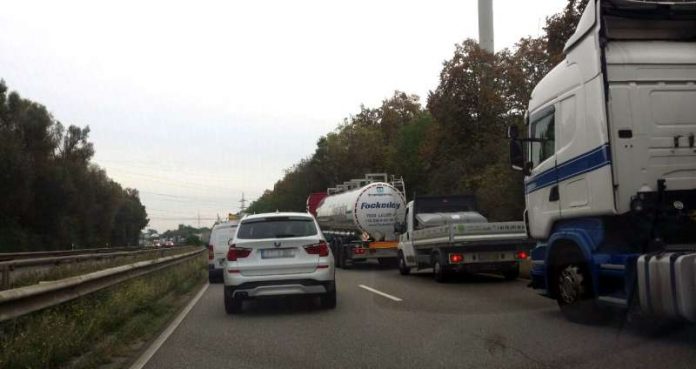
278,254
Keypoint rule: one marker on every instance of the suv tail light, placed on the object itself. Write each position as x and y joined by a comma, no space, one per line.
235,253
211,252
321,249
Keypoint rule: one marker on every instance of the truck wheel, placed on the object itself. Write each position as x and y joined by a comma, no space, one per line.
339,256
575,298
512,274
403,268
439,272
347,262
328,300
232,305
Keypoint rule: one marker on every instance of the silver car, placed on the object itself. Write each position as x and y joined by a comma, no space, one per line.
278,254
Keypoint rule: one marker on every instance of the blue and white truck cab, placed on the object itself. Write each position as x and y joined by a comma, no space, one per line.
610,163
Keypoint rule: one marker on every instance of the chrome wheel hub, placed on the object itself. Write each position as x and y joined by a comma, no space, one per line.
570,286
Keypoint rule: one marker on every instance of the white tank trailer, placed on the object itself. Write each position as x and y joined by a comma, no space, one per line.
358,218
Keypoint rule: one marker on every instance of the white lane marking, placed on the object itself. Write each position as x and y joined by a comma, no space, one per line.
150,352
380,293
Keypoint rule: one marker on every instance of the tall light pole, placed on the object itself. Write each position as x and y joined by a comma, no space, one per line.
485,23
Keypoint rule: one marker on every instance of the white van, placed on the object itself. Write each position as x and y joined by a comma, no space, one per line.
220,236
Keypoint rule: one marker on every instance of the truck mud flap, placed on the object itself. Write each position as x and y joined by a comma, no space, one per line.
667,285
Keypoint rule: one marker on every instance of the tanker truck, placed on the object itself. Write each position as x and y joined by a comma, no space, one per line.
358,218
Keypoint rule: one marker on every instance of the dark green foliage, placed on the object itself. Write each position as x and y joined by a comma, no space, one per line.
187,233
53,197
455,145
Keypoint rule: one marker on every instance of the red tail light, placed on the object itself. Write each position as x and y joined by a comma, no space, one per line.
211,252
456,258
235,253
359,251
522,255
321,249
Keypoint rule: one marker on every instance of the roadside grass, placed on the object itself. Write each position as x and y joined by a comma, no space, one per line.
102,327
72,269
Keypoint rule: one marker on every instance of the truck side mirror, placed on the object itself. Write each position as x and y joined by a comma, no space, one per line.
399,227
517,157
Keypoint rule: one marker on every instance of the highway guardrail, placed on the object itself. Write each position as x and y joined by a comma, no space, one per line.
8,268
24,300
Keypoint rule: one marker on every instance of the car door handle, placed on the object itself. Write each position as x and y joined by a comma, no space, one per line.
553,194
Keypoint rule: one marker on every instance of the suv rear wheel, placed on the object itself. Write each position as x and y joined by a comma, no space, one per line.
328,300
233,305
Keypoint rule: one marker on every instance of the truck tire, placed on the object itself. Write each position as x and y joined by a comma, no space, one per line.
512,274
403,268
233,305
328,300
574,295
347,263
340,253
439,272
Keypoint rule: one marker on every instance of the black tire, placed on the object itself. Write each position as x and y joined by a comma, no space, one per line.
211,277
573,289
328,300
439,272
512,274
233,305
347,261
403,268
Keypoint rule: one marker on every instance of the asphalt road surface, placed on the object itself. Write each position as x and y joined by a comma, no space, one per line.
471,322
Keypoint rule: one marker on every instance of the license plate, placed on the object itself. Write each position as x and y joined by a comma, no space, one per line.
221,262
277,253
488,257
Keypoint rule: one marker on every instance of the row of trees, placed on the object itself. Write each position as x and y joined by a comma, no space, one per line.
454,144
187,233
53,197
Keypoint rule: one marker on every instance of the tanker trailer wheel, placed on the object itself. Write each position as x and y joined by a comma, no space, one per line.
338,252
346,262
403,268
574,295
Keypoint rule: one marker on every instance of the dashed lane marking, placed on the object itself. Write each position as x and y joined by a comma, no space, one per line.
380,293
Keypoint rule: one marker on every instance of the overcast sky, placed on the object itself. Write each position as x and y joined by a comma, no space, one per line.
195,102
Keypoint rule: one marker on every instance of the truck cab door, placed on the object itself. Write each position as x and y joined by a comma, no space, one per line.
541,185
406,239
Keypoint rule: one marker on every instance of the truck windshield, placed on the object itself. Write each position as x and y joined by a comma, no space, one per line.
650,20
277,227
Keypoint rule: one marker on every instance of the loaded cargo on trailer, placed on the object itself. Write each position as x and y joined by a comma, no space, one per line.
358,216
610,163
447,234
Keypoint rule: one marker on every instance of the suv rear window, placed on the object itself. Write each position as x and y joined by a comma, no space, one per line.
277,227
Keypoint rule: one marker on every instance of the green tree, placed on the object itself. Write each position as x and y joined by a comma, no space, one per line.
53,196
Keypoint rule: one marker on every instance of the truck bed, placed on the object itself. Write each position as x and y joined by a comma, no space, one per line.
469,233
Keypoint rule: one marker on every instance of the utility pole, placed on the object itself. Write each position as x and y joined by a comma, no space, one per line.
243,201
199,219
485,23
